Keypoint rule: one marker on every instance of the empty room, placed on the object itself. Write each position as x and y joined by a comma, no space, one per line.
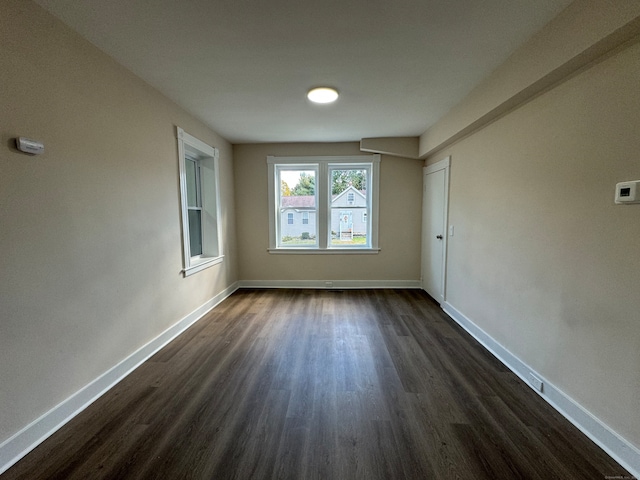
333,240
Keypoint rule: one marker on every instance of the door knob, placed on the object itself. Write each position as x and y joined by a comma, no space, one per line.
439,237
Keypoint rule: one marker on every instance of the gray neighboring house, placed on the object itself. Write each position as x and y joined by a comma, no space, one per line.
297,215
348,215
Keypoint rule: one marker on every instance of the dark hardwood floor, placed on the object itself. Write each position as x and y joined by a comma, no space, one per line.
304,384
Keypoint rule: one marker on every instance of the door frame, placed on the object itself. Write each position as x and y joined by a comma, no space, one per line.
445,165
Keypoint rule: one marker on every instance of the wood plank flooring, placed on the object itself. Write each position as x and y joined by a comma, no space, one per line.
306,384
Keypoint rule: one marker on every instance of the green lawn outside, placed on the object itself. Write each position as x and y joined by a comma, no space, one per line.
298,241
355,241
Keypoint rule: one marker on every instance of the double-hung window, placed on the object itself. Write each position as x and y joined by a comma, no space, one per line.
199,197
335,198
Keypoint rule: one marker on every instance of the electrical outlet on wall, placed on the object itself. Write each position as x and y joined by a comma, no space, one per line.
536,382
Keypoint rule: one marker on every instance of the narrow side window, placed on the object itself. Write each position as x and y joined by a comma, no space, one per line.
199,197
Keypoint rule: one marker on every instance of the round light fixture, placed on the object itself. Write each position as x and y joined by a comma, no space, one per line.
323,95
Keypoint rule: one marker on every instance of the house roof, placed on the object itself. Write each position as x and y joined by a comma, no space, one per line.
298,201
350,188
309,201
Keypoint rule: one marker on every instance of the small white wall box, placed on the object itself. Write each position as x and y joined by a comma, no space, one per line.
628,192
29,146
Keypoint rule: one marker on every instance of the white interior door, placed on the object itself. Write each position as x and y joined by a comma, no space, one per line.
434,228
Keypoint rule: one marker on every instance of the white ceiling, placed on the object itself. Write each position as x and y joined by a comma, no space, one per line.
244,66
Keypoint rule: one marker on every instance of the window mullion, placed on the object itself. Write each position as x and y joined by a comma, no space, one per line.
323,205
374,188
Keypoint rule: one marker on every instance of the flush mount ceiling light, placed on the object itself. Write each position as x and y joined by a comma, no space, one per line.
323,95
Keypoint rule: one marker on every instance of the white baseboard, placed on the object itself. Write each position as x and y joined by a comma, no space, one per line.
25,440
334,284
626,454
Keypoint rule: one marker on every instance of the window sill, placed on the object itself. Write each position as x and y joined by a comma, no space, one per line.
201,264
327,251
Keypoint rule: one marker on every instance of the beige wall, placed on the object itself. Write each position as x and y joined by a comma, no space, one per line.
400,220
542,259
90,236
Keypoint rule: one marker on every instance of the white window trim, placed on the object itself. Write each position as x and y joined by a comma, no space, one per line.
198,263
322,194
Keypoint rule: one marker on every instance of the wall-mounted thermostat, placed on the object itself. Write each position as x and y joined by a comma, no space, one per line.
628,192
27,145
